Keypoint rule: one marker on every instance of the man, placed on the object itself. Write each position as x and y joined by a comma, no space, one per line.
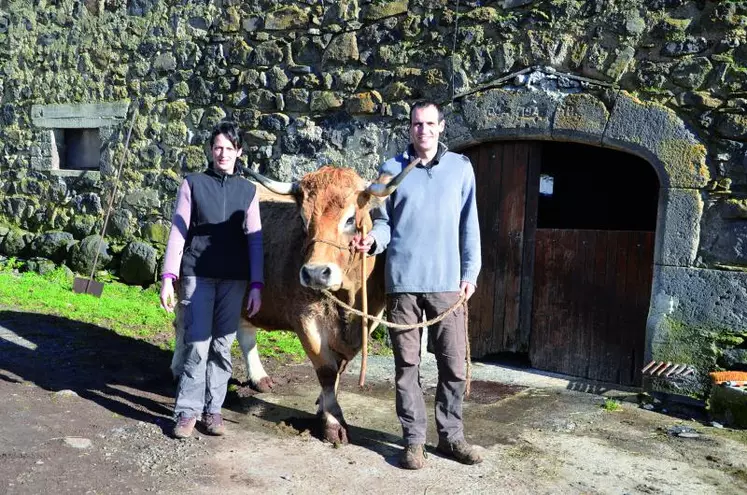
429,226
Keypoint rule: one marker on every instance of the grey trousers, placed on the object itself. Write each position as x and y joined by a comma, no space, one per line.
448,339
208,311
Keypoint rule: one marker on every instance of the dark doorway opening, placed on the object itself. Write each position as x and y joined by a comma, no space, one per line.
584,187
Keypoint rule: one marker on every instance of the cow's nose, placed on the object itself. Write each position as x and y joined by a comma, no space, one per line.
316,276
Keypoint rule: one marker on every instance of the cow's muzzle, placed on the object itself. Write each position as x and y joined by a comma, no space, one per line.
321,276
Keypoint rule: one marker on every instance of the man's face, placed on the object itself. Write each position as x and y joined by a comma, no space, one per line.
425,129
224,154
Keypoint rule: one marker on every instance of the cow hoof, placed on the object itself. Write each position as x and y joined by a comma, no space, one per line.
336,434
264,386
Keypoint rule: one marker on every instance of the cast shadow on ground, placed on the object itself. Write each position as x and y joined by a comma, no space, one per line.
125,375
296,422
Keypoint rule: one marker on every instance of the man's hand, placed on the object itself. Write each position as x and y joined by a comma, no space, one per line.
253,302
168,301
466,289
362,245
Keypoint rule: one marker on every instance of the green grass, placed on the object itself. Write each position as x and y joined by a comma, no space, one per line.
611,405
127,310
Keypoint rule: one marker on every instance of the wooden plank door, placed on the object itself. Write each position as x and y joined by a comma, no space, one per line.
591,297
507,174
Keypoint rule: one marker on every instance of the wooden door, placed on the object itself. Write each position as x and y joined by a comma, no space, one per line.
591,297
500,310
575,301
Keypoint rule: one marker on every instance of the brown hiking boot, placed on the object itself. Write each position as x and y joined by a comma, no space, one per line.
460,450
413,457
213,424
184,426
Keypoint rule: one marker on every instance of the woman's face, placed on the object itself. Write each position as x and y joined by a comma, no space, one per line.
224,154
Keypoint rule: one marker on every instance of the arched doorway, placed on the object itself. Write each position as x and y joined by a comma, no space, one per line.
568,253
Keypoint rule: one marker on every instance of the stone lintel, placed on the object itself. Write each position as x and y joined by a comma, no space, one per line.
580,118
79,116
511,114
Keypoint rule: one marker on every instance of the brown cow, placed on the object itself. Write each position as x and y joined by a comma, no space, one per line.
306,249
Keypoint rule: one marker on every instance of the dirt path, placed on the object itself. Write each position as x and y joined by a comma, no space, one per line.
107,434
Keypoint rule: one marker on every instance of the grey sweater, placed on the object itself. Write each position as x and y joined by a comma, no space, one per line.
429,225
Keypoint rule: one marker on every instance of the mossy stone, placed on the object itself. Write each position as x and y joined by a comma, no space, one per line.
321,101
180,89
380,10
194,159
157,233
368,102
175,134
212,117
177,110
291,17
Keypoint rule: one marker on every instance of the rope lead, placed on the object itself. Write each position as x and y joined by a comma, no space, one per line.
461,301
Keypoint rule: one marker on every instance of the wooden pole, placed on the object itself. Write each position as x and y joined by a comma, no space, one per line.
364,308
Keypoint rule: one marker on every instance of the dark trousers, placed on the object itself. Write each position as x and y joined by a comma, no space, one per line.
448,341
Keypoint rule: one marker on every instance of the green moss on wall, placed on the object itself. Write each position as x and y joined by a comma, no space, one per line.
682,154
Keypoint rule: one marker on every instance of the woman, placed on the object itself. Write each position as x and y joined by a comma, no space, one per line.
214,247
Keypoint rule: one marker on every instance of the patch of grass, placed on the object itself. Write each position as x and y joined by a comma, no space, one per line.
611,405
378,342
280,344
127,310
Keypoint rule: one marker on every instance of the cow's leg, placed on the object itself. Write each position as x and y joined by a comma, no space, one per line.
325,361
247,337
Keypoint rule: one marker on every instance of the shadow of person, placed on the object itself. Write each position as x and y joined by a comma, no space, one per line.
127,376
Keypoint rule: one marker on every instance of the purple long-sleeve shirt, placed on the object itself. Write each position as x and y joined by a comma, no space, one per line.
178,237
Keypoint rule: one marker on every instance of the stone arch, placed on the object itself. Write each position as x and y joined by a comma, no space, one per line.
612,119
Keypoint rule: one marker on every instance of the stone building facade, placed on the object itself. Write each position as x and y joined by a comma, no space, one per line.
316,82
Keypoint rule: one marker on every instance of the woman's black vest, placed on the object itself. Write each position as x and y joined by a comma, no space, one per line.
216,245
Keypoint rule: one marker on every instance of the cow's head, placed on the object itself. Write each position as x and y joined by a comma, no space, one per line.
334,204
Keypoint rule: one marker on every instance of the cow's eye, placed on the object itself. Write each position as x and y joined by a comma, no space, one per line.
350,222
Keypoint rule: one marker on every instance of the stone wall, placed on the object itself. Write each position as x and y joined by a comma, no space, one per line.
315,82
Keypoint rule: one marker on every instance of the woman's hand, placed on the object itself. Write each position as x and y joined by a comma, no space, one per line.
168,301
253,302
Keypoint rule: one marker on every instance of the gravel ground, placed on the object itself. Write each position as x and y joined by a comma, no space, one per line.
86,411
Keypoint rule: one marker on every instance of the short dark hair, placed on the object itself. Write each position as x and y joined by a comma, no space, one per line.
228,129
426,104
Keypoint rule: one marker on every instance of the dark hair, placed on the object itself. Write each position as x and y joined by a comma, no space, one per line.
228,129
426,104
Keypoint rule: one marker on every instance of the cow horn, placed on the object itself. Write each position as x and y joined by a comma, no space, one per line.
384,190
284,188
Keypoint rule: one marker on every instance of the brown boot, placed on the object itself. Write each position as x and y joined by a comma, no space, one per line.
413,457
184,426
213,424
460,450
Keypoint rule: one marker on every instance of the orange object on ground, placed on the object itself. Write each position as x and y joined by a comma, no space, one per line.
738,378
